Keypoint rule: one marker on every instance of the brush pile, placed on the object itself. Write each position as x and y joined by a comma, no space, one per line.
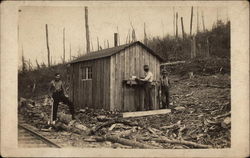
199,118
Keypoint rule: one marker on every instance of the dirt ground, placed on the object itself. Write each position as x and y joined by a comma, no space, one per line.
200,113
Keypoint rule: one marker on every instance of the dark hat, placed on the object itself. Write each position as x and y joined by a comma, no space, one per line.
57,75
164,71
146,67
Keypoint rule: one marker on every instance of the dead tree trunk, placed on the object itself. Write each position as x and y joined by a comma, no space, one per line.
63,45
87,30
191,21
29,63
145,35
182,26
23,62
37,64
177,25
118,37
47,41
108,43
198,27
98,46
70,52
203,23
193,47
208,48
92,48
174,20
51,63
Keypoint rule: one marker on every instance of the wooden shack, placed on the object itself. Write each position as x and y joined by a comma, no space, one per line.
103,79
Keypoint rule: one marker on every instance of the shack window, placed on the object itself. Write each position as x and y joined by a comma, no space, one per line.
86,73
89,72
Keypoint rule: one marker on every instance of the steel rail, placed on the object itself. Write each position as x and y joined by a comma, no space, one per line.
39,136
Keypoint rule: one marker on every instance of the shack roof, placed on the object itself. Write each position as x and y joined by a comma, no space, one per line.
111,51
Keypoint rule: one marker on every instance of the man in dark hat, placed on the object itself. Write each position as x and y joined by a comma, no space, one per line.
147,88
165,89
56,91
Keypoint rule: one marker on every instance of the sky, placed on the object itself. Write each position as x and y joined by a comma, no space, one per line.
104,21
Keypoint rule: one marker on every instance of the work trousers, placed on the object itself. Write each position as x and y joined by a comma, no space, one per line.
60,97
148,96
165,96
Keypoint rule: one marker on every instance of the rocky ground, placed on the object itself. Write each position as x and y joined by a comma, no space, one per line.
199,118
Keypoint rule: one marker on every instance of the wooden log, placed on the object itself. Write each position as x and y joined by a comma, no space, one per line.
173,63
128,142
226,123
145,113
183,142
223,115
106,124
65,118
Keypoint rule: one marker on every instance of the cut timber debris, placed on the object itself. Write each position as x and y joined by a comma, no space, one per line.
226,122
111,122
145,113
115,139
174,63
183,142
223,115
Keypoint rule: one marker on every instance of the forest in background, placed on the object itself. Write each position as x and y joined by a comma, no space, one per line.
33,81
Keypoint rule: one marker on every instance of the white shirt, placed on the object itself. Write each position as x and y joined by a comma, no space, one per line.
148,76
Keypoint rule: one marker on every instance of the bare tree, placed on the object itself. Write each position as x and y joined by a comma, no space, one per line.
176,25
63,45
98,46
47,41
70,52
87,30
37,64
191,21
174,20
198,27
182,26
145,35
203,23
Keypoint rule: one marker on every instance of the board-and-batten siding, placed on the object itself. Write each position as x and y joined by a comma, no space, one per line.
125,64
92,93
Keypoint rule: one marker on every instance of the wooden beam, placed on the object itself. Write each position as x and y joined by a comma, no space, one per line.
145,113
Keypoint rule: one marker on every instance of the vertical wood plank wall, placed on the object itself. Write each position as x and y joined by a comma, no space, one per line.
92,93
129,63
105,90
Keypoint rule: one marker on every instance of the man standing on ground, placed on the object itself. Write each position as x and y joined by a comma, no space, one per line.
56,91
165,89
147,88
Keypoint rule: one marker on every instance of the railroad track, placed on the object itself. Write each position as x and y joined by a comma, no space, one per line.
28,138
